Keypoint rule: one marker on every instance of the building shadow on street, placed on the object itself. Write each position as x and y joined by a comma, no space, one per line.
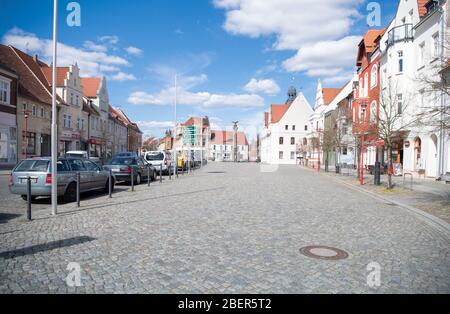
31,250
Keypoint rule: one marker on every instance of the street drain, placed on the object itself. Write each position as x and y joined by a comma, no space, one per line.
324,253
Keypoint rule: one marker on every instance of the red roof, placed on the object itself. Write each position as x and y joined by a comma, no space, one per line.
422,7
91,86
227,138
278,111
32,83
196,121
329,94
61,75
369,43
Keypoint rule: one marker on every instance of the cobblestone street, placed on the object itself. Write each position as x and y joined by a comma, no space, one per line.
228,228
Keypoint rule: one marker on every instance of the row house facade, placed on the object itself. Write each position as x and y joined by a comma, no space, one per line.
224,143
9,84
286,127
199,143
394,68
86,121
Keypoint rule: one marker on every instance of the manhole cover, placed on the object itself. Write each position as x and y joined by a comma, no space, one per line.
324,253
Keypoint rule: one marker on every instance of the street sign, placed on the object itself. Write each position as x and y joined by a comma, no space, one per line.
189,135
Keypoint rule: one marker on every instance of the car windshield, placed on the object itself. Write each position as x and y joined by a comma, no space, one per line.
123,161
155,156
33,166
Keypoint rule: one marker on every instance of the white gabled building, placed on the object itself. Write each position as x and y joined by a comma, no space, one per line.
412,47
286,127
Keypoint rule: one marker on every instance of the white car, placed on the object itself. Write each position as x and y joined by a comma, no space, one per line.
158,158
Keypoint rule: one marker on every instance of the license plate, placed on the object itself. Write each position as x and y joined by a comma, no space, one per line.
24,181
116,170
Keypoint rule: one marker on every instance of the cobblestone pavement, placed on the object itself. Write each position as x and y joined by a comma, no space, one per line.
228,228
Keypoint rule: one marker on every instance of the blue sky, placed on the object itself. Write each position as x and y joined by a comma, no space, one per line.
234,57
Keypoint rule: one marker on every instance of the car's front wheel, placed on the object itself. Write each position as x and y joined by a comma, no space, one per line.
71,193
138,179
25,198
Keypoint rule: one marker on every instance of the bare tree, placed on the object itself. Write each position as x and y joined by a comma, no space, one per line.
393,124
150,144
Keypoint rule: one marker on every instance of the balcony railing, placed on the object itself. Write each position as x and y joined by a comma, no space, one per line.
404,32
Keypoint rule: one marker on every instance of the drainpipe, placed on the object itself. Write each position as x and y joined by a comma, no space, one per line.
442,131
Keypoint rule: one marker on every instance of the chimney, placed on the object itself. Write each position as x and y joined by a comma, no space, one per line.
36,58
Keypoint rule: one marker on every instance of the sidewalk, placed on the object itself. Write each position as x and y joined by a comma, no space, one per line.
428,195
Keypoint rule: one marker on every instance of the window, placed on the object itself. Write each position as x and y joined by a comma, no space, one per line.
280,155
5,91
286,127
31,143
25,107
374,76
42,113
292,140
67,121
306,128
292,155
360,87
90,166
344,151
71,99
305,141
373,112
421,57
399,104
76,165
366,85
77,100
435,47
293,128
400,62
34,110
281,141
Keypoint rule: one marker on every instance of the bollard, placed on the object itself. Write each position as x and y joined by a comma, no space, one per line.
110,183
377,173
78,188
29,198
160,173
176,170
182,168
170,172
132,179
148,176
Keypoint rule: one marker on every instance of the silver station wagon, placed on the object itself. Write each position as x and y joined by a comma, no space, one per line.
39,170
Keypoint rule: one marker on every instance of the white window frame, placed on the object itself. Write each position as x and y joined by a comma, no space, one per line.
374,76
7,83
435,47
421,56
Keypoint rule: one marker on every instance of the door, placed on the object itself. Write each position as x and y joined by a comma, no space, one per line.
77,165
45,145
97,177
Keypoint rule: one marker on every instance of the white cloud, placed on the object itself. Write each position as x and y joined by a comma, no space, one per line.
301,25
113,40
91,63
90,45
268,86
134,51
121,77
200,99
155,124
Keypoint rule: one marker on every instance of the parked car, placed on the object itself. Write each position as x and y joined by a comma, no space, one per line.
83,155
39,170
158,158
126,154
122,167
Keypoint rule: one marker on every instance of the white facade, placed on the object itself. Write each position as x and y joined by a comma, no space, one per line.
222,153
280,140
412,47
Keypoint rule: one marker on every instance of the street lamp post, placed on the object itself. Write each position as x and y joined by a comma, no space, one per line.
25,136
174,136
235,128
54,114
362,126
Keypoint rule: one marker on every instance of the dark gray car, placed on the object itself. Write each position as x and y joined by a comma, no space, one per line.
39,170
122,167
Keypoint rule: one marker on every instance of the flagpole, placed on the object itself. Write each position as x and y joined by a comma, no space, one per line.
54,115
